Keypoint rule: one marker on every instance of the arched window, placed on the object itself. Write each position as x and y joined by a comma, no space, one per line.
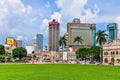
119,53
105,53
112,59
105,60
111,53
116,52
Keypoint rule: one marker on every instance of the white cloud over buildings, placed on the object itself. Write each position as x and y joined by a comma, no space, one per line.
12,13
16,18
118,22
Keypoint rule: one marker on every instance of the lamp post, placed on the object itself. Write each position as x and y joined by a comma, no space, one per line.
113,59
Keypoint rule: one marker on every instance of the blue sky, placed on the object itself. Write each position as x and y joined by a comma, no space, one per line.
23,19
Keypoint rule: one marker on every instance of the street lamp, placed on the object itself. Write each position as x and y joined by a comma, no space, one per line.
113,59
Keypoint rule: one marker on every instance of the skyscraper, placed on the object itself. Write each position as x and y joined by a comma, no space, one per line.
112,29
54,35
39,41
84,30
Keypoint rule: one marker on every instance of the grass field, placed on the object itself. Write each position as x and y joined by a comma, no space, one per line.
58,72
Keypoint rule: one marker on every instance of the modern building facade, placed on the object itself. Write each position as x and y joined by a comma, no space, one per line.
19,43
54,33
39,41
84,30
112,29
35,46
30,49
111,52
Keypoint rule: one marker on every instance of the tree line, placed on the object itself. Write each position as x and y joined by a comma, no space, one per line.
19,52
95,52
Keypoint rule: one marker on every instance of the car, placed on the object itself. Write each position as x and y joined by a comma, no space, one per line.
110,63
92,62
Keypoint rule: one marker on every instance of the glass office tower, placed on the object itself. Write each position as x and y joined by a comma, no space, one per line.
112,31
84,30
39,41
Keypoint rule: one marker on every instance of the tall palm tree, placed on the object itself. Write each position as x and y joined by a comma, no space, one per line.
62,43
78,39
101,39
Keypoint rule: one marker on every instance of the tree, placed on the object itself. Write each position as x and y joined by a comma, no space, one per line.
78,39
94,52
101,39
62,43
83,53
19,52
2,49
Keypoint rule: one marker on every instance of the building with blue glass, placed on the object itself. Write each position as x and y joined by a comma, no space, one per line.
112,31
84,30
39,41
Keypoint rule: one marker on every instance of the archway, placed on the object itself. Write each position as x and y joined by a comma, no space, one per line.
112,60
106,60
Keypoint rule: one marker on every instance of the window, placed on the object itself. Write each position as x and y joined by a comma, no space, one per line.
106,60
105,53
116,52
111,53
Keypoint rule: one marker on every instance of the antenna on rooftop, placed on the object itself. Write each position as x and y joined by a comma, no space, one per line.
57,18
85,20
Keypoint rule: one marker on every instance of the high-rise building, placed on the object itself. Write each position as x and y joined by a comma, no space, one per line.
84,30
54,31
39,41
19,43
112,29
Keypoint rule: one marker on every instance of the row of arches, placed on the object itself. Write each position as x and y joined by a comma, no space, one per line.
112,53
112,60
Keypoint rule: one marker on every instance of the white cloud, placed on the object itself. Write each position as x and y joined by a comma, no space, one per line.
15,19
19,38
47,5
75,9
69,9
34,37
18,7
44,25
118,22
57,16
33,19
12,12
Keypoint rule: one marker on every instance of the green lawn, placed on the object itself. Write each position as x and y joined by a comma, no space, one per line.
58,72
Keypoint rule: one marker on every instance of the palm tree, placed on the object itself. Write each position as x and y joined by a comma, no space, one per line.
78,39
62,43
101,39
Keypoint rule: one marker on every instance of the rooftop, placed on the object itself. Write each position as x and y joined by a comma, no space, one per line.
54,22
